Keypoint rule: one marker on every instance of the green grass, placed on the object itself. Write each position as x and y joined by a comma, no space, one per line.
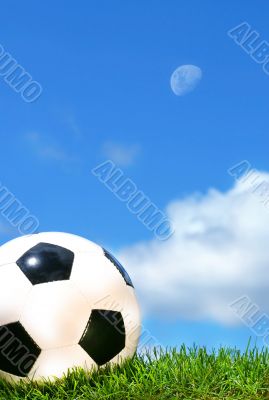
184,374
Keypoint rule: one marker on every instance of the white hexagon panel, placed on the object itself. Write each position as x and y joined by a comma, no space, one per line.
56,314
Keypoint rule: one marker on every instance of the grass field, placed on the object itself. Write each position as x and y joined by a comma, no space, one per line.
184,374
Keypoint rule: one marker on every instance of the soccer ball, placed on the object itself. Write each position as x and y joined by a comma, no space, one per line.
64,302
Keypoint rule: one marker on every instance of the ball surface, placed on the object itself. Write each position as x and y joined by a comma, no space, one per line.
64,302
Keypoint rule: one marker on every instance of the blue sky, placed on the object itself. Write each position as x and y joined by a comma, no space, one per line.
105,71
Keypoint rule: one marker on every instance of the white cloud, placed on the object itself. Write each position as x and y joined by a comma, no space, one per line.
120,154
219,252
73,126
46,149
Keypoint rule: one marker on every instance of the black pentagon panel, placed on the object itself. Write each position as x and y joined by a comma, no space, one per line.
46,262
104,336
119,267
18,351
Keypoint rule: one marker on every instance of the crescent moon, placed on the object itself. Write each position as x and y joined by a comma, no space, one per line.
185,79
